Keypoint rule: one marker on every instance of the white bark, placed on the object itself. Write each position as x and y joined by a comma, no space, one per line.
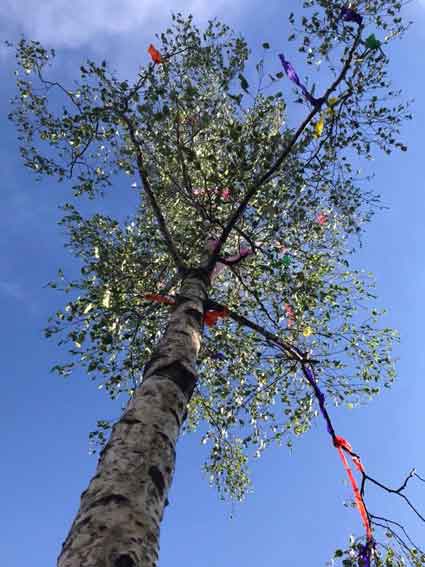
120,513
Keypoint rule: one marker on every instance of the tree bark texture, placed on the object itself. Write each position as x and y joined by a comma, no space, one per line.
120,513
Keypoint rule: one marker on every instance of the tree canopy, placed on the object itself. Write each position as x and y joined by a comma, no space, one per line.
206,138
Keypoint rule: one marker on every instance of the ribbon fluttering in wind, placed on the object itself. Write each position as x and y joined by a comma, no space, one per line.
155,54
290,315
357,496
286,260
331,102
321,399
213,315
292,74
218,356
372,43
342,445
159,298
227,260
364,555
350,15
318,127
321,218
224,192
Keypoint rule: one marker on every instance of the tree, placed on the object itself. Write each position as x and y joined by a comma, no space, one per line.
237,256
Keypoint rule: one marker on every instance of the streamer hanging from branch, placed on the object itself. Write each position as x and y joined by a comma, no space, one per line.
372,43
155,54
350,15
318,127
223,193
321,218
292,74
290,315
211,316
342,445
286,260
227,260
159,298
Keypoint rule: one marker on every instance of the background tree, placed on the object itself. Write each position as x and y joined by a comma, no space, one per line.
219,171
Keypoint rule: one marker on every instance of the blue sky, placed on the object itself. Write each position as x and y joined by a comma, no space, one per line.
295,517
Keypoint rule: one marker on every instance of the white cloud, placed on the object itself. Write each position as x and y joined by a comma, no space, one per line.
12,290
15,292
62,23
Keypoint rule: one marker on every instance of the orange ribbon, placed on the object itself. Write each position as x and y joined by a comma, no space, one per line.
340,444
155,54
159,298
213,315
210,318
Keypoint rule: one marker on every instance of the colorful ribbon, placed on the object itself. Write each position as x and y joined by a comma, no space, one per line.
292,75
290,315
318,127
155,54
218,356
159,298
211,316
342,445
227,260
364,555
357,496
372,43
224,193
286,260
350,15
322,218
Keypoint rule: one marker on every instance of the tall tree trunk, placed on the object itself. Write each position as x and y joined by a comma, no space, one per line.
120,513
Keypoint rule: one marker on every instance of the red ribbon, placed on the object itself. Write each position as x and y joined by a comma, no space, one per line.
159,298
155,54
343,445
211,315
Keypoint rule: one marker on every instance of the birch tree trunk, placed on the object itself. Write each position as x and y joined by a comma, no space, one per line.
120,513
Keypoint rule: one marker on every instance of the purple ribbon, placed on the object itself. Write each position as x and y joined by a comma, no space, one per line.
292,74
218,356
364,556
350,15
321,399
364,550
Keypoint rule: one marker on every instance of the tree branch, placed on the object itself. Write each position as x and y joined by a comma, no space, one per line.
292,351
266,176
181,267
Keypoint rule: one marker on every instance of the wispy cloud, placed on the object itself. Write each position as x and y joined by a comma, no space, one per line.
12,290
71,24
